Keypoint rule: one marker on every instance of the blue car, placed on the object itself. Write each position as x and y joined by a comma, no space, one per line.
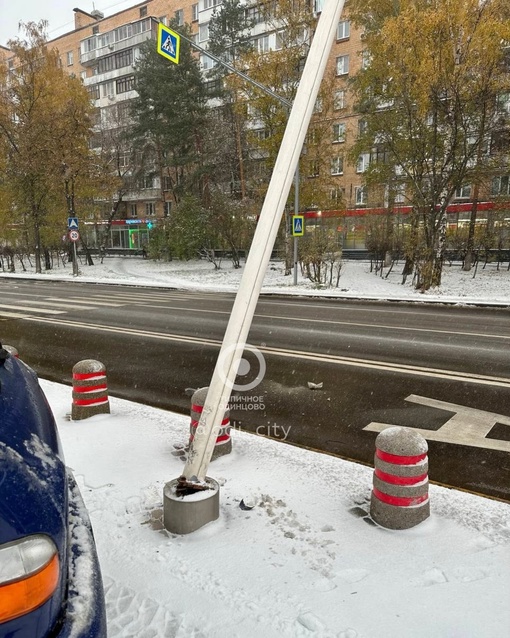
50,581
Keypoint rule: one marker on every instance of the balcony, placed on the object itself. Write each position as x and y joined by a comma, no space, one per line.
90,58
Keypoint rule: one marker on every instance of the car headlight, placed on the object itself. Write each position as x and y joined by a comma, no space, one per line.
29,574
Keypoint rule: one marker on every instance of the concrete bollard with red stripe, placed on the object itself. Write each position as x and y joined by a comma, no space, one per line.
11,350
90,390
223,441
400,497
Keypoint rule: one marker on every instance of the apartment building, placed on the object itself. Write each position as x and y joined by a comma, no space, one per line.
102,51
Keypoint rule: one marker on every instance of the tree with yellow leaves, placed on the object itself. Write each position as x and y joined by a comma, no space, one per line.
45,126
428,95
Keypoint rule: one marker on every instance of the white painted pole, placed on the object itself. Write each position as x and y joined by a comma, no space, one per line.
247,296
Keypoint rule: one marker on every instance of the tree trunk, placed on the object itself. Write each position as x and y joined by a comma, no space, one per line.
468,260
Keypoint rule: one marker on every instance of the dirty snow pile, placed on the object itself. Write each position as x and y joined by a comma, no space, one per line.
489,285
306,561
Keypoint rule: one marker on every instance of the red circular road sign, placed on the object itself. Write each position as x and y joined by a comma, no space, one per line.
74,235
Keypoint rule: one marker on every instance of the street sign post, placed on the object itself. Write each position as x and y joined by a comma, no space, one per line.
74,236
169,43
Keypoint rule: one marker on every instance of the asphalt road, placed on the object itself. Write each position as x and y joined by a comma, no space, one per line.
439,368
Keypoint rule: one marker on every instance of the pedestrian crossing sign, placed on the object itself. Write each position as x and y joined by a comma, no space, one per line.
169,43
298,225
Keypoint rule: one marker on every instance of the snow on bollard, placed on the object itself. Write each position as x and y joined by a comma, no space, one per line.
400,497
90,390
223,440
11,350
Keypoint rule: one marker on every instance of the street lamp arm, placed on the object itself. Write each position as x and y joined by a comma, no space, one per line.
242,75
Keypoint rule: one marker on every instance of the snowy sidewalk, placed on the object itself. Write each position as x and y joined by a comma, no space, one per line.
305,562
490,287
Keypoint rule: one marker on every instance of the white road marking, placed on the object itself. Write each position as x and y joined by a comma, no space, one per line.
467,426
93,302
12,315
451,375
45,311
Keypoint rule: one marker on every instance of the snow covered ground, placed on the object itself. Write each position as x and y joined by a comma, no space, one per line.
489,286
305,562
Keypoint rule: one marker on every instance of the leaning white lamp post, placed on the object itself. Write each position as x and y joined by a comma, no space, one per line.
247,296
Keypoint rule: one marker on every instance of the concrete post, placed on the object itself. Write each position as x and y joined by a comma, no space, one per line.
185,511
90,390
223,440
400,497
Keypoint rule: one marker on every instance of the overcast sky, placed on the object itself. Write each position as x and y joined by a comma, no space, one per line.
58,13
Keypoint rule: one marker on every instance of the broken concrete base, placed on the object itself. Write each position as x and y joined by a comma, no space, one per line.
185,514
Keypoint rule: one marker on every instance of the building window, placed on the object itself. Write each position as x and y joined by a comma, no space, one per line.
313,168
117,61
132,211
95,29
254,15
93,91
339,100
337,195
504,103
344,30
317,5
108,89
318,108
83,75
362,127
337,166
167,183
464,192
167,209
179,17
70,58
261,45
363,162
148,181
143,11
366,59
261,134
338,133
150,209
400,193
360,195
88,45
207,62
208,4
501,185
203,32
194,12
342,65
125,84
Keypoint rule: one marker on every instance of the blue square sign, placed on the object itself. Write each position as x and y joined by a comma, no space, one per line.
298,225
169,43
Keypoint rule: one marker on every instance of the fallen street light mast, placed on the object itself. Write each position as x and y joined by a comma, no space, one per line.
247,296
